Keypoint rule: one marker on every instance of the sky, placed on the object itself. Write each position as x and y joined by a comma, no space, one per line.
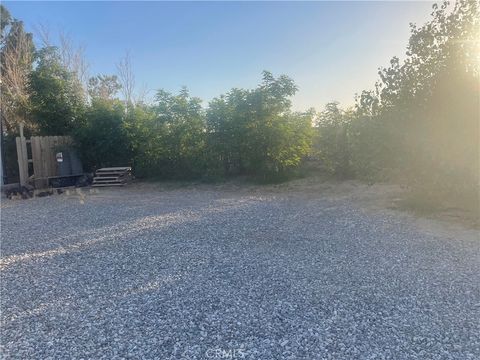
332,50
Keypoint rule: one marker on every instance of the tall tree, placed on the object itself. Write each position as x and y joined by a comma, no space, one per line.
332,141
254,131
102,138
16,61
71,56
58,101
127,78
423,114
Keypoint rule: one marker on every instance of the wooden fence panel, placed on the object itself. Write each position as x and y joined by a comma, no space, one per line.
43,155
37,161
50,154
22,157
47,143
44,150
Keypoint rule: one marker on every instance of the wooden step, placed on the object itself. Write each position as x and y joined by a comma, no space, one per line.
115,184
115,176
125,168
109,180
107,177
111,173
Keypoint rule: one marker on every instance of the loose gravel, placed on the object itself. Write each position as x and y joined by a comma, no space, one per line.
214,273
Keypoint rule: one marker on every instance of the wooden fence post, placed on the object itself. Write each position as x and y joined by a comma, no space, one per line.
22,157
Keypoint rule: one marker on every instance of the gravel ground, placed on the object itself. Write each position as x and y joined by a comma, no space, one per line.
215,273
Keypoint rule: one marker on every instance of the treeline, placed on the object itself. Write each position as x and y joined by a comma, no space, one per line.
245,132
419,126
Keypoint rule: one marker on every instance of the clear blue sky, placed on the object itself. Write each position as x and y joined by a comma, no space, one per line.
331,49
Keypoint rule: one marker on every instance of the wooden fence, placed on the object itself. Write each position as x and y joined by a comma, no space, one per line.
42,157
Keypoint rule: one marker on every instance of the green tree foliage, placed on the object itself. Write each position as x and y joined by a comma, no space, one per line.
442,138
5,20
429,104
102,139
420,125
143,139
103,87
169,138
58,104
254,132
332,143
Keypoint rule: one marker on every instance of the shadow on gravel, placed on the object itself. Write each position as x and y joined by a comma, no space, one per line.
124,230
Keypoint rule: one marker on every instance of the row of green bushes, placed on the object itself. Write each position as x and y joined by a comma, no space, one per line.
245,132
419,127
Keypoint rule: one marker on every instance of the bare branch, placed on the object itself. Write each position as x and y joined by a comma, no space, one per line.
73,58
127,77
42,31
16,61
143,93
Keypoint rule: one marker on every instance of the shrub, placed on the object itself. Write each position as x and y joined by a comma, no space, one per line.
254,132
103,140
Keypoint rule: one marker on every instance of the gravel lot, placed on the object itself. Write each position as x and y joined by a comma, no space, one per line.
211,272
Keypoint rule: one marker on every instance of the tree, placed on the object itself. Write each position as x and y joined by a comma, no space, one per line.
103,87
71,56
127,78
254,132
102,139
145,140
73,59
332,140
168,138
226,134
16,59
57,98
421,122
5,20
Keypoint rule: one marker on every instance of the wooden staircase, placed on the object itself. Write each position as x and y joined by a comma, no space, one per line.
114,176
